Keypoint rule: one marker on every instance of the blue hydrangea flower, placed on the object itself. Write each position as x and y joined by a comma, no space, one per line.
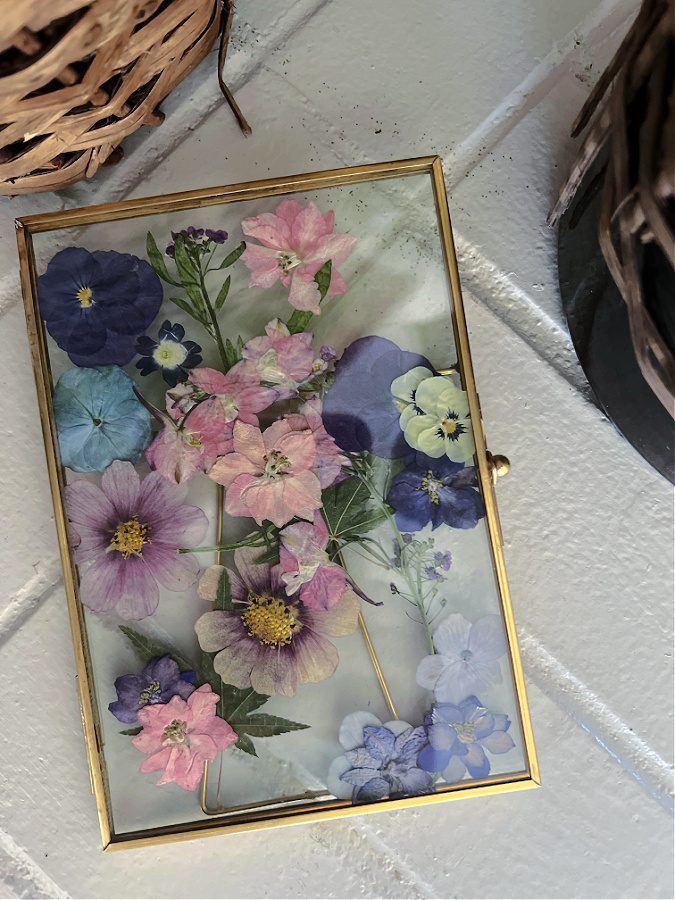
159,681
459,737
99,419
169,354
95,304
379,760
438,491
360,411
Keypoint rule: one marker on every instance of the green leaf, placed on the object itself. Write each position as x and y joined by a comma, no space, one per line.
188,308
157,260
346,510
239,702
132,732
222,294
189,275
300,319
265,725
233,351
269,556
231,258
148,648
246,744
223,596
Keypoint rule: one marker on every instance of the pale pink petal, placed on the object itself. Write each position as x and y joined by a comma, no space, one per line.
299,447
337,286
155,762
264,500
235,504
325,589
333,247
121,484
320,530
249,440
222,734
273,434
174,571
307,228
272,231
288,210
263,265
209,582
202,704
302,495
304,293
211,381
172,457
230,467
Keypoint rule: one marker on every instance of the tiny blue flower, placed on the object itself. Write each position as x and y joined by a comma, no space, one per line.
99,419
169,354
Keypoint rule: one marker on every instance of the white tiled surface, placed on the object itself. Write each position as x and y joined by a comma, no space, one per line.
492,85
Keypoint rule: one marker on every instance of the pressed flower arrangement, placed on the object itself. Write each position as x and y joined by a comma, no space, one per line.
274,495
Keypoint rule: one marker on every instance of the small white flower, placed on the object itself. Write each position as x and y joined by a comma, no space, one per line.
169,354
439,424
466,658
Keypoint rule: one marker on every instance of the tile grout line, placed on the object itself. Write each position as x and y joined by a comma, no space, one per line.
580,703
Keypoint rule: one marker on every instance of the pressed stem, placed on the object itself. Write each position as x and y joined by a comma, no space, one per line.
253,541
216,335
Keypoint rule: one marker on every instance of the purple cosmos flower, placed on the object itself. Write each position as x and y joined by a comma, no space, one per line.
438,491
128,531
360,411
271,642
95,304
379,760
199,237
159,681
173,356
459,736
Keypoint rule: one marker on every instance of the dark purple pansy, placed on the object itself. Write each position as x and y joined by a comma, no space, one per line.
170,354
95,304
359,410
438,491
159,681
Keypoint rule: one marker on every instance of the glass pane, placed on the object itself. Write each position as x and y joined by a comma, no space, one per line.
360,639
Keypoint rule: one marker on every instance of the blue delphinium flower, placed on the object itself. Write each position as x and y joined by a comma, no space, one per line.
199,237
360,411
159,681
379,760
173,356
438,491
95,304
459,736
99,419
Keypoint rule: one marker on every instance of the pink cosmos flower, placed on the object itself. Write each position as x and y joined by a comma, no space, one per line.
295,242
281,358
128,531
307,569
329,459
269,475
239,391
269,641
191,444
181,735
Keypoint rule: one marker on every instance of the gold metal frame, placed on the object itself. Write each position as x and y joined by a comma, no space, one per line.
246,819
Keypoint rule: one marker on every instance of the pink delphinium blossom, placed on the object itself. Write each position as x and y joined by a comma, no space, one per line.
191,444
128,531
179,736
269,474
307,569
281,358
269,641
295,242
239,391
329,459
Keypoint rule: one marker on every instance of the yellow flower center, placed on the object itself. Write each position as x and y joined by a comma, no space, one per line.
129,538
432,486
85,297
465,731
270,620
449,426
150,694
276,464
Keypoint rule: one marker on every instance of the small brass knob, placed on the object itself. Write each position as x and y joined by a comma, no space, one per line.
499,466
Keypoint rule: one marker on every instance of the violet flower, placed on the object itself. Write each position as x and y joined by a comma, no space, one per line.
159,681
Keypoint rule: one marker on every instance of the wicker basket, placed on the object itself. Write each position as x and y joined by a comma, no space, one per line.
78,76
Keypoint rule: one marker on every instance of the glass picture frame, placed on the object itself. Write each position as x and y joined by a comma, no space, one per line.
277,373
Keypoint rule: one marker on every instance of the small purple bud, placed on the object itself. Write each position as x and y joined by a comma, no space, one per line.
327,353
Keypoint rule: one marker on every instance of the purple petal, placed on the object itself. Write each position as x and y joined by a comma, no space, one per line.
174,571
121,484
498,742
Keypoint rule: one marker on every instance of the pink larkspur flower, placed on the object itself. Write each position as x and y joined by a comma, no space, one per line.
239,391
270,641
307,569
269,474
281,358
329,459
295,242
181,735
191,444
128,532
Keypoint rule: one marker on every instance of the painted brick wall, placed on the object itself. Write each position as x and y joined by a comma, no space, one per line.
491,85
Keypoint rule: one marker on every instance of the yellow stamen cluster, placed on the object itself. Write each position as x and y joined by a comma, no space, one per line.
85,297
176,733
432,486
449,426
465,731
129,538
272,621
150,693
